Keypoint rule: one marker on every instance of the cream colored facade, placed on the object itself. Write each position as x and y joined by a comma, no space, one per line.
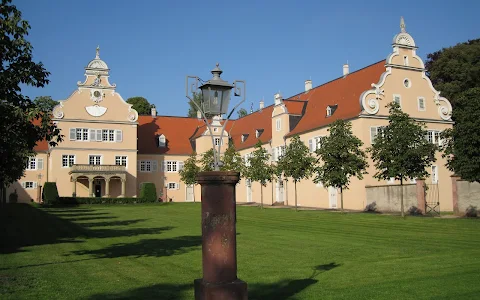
96,107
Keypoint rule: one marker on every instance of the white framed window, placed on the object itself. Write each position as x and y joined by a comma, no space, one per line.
173,186
142,166
397,99
162,142
94,159
111,135
434,174
29,184
215,129
105,135
314,143
278,124
278,152
217,141
433,136
374,131
31,163
407,83
171,166
68,160
79,134
148,166
121,160
246,159
405,60
421,104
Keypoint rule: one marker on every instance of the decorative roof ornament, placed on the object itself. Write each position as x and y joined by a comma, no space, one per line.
97,56
402,25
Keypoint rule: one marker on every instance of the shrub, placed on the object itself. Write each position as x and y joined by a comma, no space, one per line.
148,192
13,197
50,193
471,212
372,207
415,211
93,200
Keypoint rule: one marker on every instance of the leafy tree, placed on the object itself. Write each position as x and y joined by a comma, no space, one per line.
242,112
455,69
340,157
190,171
258,168
297,162
192,110
461,145
45,103
21,118
401,150
140,104
207,161
232,161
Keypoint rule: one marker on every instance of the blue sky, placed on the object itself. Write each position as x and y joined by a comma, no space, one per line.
150,46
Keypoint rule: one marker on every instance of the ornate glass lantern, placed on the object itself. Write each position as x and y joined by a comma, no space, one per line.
216,94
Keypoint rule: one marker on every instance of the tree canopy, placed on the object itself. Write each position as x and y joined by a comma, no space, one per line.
141,105
207,161
462,143
21,118
45,103
232,161
297,162
455,69
259,169
340,157
189,172
401,150
242,112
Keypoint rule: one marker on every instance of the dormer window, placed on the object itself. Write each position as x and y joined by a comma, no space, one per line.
258,133
244,137
329,111
215,129
162,141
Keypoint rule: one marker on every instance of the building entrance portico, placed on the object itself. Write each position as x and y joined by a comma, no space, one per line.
100,179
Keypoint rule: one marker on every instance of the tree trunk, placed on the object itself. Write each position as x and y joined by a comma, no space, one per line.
286,191
193,193
272,190
296,208
341,198
401,198
261,196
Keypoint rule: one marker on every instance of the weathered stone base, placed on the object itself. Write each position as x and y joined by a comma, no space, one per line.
235,290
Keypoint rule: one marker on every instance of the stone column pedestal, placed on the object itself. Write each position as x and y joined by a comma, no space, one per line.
219,239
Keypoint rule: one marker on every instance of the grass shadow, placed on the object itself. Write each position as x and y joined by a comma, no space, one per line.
157,291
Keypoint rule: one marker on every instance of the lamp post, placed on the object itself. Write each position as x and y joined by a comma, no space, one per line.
219,244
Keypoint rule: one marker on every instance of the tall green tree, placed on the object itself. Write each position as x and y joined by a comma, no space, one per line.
21,119
242,112
340,157
141,105
192,110
259,169
232,161
455,69
45,103
207,160
297,162
401,151
190,171
461,145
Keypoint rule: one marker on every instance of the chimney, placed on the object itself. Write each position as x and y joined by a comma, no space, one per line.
153,111
308,85
262,104
278,98
345,69
199,114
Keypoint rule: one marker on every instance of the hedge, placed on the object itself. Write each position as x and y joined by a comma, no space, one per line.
148,191
93,200
50,193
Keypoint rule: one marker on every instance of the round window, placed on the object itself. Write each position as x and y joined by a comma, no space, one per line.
96,94
407,83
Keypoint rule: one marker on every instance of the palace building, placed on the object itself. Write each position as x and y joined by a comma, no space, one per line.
109,150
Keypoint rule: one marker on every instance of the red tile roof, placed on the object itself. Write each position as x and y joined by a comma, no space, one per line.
344,92
41,146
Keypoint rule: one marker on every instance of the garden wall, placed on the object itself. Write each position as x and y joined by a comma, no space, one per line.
465,194
387,197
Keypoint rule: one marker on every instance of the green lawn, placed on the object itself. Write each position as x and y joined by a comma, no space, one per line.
154,252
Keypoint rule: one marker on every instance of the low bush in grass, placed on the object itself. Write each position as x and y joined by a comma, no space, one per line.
372,207
13,197
50,193
415,211
93,200
148,191
471,212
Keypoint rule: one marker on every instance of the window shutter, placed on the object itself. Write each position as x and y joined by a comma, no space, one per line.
118,136
373,133
154,166
138,165
177,185
180,165
73,135
99,135
34,184
164,168
310,145
40,163
23,184
92,136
